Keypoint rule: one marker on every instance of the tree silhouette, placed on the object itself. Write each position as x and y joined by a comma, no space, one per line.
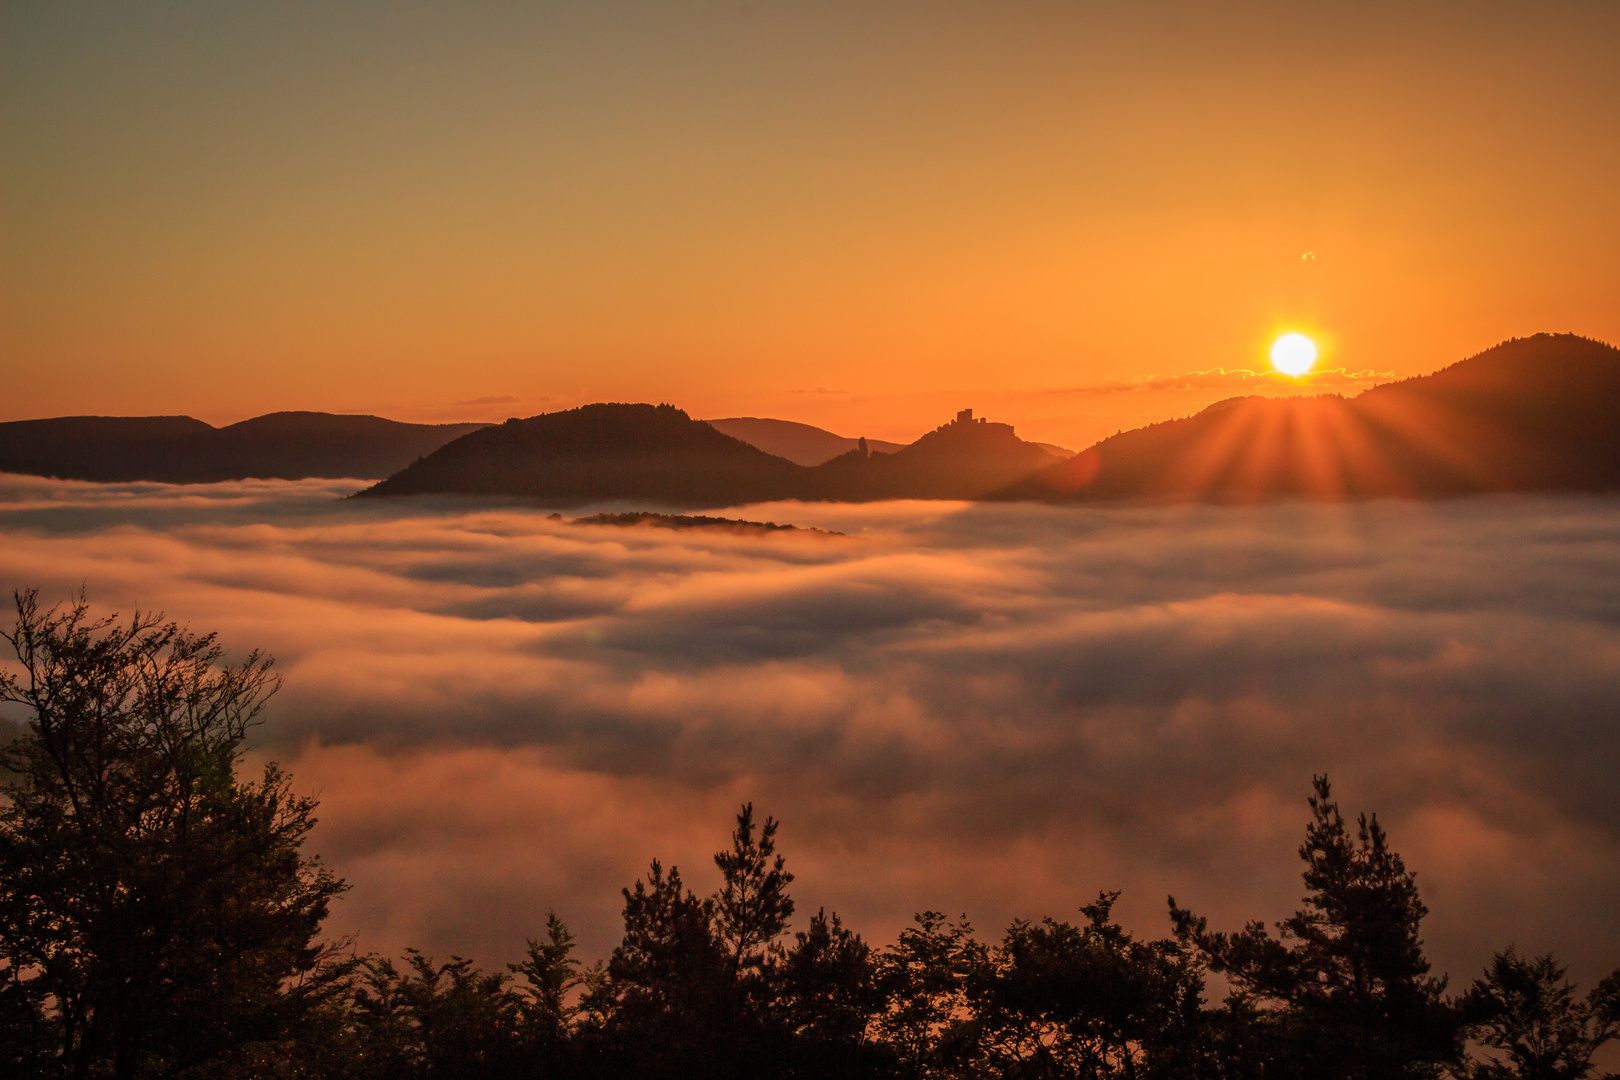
705,987
1525,1009
671,987
924,976
447,1020
550,974
156,912
1065,1000
1349,966
752,906
830,996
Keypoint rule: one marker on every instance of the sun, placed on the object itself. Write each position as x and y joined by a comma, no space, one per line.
1293,354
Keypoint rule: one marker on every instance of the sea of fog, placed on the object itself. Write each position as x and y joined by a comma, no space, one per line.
990,710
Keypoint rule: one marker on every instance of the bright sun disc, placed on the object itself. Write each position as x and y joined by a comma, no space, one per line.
1293,354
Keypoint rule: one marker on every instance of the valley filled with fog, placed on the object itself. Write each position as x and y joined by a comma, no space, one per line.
996,710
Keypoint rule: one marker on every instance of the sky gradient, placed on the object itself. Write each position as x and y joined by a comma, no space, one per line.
857,215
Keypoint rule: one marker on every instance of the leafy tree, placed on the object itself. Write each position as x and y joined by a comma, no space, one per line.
829,998
550,974
1348,967
157,913
706,987
1064,1000
1526,1010
671,988
450,1021
924,976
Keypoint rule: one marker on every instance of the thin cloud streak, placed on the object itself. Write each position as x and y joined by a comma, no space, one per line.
1233,379
992,709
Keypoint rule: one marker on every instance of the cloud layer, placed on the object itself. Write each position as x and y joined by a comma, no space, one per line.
997,710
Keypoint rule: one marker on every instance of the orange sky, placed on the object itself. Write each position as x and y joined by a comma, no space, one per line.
859,215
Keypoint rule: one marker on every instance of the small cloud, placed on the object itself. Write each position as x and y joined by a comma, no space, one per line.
1334,377
494,399
818,390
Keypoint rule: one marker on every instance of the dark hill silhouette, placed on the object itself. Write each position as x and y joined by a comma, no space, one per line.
180,450
599,452
682,522
658,453
1532,414
810,445
803,444
964,459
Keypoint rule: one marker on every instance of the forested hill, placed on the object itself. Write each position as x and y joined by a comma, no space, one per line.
182,450
660,454
807,444
1532,414
964,459
599,452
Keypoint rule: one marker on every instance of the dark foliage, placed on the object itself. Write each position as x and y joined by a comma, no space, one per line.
693,521
1348,969
156,913
442,1020
1526,1012
671,1000
1061,1000
829,995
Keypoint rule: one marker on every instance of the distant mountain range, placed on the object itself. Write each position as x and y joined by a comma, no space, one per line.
801,444
660,454
807,445
1532,414
181,450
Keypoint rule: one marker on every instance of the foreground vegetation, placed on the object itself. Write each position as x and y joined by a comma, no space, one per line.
159,918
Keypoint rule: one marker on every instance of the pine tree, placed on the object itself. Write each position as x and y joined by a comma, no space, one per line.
1348,967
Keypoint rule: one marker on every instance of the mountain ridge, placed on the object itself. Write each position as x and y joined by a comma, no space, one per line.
658,453
806,444
802,444
1540,413
292,445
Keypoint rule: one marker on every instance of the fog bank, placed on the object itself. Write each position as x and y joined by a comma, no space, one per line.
997,710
